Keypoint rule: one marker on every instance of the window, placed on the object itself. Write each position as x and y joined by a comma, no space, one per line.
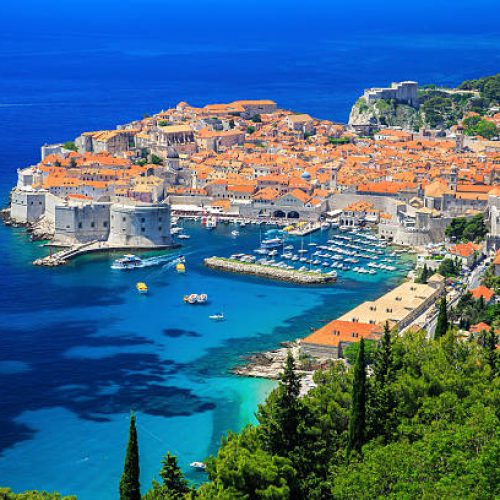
92,224
79,225
124,219
143,230
105,224
159,219
143,220
159,228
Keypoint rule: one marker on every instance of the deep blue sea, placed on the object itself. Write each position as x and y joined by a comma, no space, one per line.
78,347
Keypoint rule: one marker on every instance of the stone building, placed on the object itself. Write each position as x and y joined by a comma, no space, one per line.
80,222
109,141
402,92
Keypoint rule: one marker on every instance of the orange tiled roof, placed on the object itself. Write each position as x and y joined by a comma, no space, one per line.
342,331
483,291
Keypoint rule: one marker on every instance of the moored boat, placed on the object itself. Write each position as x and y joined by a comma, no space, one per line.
141,287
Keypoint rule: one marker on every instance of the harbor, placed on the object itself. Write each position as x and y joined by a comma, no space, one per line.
183,355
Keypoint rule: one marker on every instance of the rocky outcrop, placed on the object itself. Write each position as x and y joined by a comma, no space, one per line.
383,113
275,273
42,229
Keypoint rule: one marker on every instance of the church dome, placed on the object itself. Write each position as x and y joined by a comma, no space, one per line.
306,176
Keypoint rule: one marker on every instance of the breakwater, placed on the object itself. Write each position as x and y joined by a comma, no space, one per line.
263,271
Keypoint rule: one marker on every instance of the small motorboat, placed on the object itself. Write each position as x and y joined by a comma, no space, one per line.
180,267
190,299
235,233
141,287
199,466
217,317
184,236
202,298
128,262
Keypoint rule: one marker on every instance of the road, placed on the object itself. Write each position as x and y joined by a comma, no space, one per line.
428,319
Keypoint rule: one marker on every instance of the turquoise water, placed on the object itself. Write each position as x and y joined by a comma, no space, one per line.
78,346
81,348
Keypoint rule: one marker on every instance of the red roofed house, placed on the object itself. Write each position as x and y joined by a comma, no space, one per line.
479,327
482,291
464,251
330,340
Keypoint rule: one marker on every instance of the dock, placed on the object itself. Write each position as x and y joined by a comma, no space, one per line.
305,230
270,272
64,256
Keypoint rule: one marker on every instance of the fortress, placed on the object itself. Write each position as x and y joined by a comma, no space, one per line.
74,221
402,92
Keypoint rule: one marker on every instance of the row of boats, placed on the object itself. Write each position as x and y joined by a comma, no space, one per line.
340,252
195,298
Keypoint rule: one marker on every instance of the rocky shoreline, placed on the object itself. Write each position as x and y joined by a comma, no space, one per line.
40,230
269,365
291,276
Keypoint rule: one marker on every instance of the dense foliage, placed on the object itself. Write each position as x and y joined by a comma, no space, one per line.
430,429
467,229
488,86
475,125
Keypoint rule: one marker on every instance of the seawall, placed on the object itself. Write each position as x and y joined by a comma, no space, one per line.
288,275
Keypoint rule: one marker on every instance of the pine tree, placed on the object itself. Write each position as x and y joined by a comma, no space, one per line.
129,483
280,417
442,320
357,419
173,478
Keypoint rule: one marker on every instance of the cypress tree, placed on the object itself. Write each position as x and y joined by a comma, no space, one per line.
381,397
442,320
490,344
357,419
129,483
173,479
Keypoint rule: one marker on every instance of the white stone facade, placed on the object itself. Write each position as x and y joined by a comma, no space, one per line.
140,225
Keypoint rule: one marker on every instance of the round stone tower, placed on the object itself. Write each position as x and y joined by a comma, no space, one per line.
140,226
